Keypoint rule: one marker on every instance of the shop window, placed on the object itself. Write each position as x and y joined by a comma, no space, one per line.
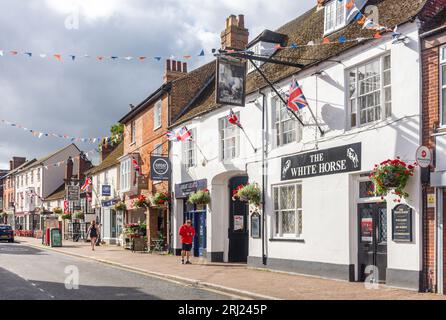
229,139
288,211
190,152
370,92
443,84
287,128
335,16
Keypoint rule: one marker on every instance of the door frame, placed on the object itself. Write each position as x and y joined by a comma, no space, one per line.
231,218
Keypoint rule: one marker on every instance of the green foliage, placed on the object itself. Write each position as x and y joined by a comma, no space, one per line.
249,193
79,215
201,197
159,199
57,210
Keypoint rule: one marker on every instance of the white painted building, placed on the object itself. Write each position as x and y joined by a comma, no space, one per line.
318,221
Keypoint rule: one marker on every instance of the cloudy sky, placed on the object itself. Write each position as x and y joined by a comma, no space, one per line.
83,98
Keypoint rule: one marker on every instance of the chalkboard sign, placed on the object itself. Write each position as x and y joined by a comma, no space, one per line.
402,229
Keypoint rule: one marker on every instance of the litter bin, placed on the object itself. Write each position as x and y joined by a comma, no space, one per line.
56,238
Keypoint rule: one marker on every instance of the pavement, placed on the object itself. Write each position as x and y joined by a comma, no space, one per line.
236,279
30,273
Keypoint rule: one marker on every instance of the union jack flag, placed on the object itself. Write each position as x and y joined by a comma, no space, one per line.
86,184
234,120
296,99
182,135
136,166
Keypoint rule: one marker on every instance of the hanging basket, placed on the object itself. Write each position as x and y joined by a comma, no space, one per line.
201,197
250,193
160,200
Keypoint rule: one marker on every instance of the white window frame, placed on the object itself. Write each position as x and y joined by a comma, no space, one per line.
262,48
278,123
190,152
157,115
354,108
224,128
331,11
442,85
278,212
38,174
133,132
125,175
158,150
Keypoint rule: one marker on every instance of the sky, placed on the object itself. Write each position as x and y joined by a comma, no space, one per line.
85,97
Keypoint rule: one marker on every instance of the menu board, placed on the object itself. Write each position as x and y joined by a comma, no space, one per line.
402,229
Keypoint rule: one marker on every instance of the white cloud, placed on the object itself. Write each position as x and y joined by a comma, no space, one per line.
91,9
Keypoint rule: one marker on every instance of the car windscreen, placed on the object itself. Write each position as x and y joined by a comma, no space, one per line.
5,228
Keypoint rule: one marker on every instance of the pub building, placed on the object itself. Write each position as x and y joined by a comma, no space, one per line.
320,215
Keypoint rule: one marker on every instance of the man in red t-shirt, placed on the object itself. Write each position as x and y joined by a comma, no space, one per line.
187,233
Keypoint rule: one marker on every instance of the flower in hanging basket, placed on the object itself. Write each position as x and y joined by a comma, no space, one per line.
248,193
159,199
58,210
79,215
141,202
66,216
120,206
392,175
201,197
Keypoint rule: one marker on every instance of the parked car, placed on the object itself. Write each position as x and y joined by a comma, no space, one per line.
6,233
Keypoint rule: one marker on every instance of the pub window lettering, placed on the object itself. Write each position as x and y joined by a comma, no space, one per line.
370,92
287,128
288,211
443,84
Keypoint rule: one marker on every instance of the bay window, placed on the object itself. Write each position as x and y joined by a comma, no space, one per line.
288,211
370,91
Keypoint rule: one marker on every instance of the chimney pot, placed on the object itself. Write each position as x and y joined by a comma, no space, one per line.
174,65
179,66
241,21
184,67
168,63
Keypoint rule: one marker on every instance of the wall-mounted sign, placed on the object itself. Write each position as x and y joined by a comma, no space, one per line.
325,162
183,190
402,230
73,193
160,168
231,82
255,226
431,200
109,203
106,190
239,223
424,157
367,230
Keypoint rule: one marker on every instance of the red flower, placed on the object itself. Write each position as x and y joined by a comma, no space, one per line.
411,167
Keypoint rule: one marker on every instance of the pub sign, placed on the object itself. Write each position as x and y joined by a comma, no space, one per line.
402,228
160,168
324,162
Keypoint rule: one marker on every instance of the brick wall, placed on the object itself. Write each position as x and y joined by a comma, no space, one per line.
431,117
432,8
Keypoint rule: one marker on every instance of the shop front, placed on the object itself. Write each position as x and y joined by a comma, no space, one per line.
112,222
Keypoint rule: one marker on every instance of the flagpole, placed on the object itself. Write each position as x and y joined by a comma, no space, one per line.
199,149
249,140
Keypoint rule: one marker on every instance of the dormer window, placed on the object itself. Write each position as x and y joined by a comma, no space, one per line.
261,48
335,16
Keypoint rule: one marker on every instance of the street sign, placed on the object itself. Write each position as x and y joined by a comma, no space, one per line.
73,193
424,157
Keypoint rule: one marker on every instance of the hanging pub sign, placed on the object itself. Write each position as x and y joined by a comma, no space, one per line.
402,228
231,82
324,162
73,193
160,168
106,190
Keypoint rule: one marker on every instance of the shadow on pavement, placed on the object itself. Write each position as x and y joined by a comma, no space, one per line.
17,249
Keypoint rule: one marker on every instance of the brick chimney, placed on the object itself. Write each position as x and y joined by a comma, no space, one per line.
107,149
432,8
69,169
84,166
16,162
235,36
174,70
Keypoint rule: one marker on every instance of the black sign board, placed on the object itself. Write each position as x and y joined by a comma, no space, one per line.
183,190
402,228
106,190
73,193
160,168
109,203
324,162
231,82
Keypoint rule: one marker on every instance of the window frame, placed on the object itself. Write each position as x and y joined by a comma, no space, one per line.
277,219
157,115
384,112
278,137
223,127
125,175
261,48
133,132
334,4
442,97
189,151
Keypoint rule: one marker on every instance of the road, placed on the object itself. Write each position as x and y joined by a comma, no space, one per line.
30,273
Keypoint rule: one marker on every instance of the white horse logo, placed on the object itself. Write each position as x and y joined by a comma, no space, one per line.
286,167
353,156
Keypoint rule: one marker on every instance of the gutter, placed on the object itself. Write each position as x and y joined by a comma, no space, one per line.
432,32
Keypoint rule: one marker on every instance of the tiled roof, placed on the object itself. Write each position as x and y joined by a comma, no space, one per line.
309,27
42,160
57,195
110,161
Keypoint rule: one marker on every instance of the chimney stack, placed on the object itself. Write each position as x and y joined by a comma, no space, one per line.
16,162
174,70
69,169
84,166
235,36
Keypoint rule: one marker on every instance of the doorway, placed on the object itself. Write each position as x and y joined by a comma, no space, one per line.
238,232
372,245
198,218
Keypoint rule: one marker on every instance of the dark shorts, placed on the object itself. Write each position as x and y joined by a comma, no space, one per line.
187,247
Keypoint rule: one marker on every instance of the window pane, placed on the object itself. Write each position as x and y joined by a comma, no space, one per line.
300,223
276,198
277,223
443,105
298,196
288,222
443,77
387,62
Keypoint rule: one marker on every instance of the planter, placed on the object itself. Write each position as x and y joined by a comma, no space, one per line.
200,198
159,200
250,193
120,206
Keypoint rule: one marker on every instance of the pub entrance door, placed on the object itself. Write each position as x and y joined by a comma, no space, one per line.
198,218
238,233
372,246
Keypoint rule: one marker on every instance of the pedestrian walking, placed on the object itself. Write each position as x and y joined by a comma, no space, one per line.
187,233
99,229
92,232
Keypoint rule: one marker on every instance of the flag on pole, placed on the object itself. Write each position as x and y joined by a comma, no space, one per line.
86,184
234,120
182,135
136,166
296,100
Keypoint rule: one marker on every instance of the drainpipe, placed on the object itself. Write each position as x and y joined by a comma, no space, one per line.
264,166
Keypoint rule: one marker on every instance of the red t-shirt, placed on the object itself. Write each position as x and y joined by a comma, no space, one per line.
187,234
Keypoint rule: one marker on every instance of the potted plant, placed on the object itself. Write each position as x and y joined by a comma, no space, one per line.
250,193
200,198
120,206
159,199
57,210
141,202
79,215
392,175
66,216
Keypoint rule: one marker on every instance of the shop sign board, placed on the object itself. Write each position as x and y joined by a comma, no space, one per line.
106,190
402,229
324,162
160,168
183,190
